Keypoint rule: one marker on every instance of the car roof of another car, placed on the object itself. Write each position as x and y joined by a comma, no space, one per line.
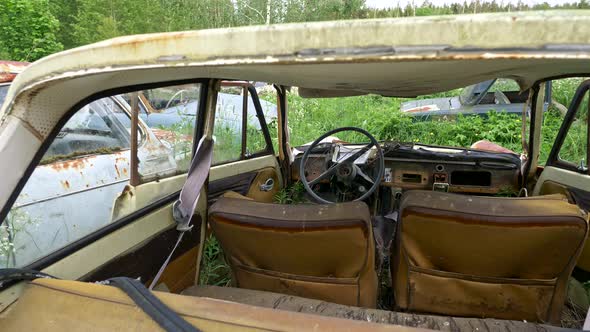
9,70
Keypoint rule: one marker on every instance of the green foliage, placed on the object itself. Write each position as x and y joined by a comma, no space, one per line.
181,142
310,118
254,139
228,143
28,30
214,269
294,194
507,192
17,222
65,11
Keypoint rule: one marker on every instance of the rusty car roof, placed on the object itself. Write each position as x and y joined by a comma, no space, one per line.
392,57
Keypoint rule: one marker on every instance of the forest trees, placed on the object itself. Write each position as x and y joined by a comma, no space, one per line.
28,30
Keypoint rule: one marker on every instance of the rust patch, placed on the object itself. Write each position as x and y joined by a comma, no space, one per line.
117,169
122,160
170,136
77,164
9,70
65,184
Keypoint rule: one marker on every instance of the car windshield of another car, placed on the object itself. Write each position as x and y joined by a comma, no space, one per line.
470,95
87,121
93,129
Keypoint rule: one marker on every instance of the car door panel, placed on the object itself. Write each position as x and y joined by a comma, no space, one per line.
245,177
154,186
566,172
149,256
70,194
138,249
238,183
145,260
265,185
568,185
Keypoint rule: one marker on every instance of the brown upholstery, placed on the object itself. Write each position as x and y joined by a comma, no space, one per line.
494,257
317,251
233,194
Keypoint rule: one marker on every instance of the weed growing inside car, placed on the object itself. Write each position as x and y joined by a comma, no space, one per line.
214,269
293,194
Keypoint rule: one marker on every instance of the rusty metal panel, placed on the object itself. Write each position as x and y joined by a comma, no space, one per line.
9,70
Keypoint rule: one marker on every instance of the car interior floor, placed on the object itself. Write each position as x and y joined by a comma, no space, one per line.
383,221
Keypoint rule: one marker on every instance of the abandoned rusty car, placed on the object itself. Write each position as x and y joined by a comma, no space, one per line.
393,236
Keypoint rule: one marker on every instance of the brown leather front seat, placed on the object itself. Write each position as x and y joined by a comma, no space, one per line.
322,252
493,257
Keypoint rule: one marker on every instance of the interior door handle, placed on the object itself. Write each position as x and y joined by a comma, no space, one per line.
267,185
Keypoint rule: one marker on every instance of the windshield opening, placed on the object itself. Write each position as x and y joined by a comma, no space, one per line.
456,126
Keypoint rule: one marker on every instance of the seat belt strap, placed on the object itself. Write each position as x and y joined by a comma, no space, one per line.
184,208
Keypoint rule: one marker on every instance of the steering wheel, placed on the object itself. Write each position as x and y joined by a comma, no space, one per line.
344,169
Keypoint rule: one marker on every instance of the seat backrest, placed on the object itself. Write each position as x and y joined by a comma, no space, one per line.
492,257
323,252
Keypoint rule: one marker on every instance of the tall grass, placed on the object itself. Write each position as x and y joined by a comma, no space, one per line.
381,116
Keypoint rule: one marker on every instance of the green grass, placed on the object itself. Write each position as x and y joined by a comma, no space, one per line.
381,116
214,269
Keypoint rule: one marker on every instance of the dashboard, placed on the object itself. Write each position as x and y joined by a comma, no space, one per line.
418,166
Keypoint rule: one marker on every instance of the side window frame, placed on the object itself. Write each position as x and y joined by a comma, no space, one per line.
249,90
111,227
569,118
263,126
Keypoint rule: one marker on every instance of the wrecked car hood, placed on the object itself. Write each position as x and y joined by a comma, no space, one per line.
431,104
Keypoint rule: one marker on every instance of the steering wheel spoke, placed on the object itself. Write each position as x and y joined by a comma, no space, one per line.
329,172
359,152
360,173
